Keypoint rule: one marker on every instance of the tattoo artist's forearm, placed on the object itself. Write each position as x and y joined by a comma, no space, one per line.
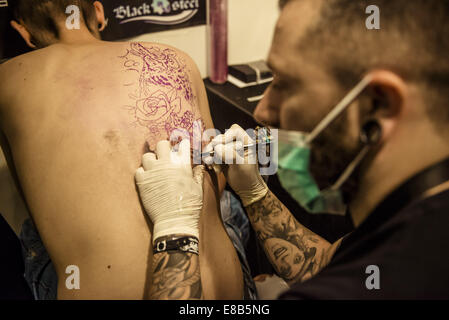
176,276
294,251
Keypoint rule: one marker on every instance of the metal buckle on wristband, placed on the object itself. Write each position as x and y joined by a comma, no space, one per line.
183,244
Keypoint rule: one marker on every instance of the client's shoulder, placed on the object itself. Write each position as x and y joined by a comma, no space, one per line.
11,70
162,57
21,73
10,66
156,49
21,63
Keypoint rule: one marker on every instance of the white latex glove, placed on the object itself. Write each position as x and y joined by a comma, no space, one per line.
243,175
171,192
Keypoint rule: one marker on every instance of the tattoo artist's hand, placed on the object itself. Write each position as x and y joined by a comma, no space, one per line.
171,192
243,174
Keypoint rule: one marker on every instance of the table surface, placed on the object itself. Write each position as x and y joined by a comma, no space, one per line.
237,96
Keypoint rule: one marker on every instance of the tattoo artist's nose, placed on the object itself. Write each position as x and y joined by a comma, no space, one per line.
267,113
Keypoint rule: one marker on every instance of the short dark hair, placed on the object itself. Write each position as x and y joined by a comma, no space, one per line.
282,3
39,16
413,41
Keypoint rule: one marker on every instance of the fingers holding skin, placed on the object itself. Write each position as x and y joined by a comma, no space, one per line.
216,145
218,140
184,152
228,146
237,133
229,153
147,160
236,137
163,150
166,155
182,157
140,175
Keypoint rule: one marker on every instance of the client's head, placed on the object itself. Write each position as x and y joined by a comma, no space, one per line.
43,22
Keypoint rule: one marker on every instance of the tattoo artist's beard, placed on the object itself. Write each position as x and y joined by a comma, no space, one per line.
330,158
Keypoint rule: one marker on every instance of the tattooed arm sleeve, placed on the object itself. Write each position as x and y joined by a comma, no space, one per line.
176,276
295,252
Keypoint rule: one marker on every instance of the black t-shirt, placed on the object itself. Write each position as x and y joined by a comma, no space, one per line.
405,238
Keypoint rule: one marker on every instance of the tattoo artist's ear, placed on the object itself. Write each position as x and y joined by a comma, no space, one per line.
99,13
24,33
388,95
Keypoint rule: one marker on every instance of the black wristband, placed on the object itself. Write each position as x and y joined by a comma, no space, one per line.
174,243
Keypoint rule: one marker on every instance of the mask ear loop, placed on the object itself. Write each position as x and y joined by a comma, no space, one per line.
370,136
347,100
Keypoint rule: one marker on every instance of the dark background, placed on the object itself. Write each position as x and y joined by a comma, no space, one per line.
11,44
12,283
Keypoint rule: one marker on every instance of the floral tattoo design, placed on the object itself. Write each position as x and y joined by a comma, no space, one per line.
164,101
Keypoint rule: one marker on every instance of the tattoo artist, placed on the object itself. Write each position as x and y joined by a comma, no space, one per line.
381,155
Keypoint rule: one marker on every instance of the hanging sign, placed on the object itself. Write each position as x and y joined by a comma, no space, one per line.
130,18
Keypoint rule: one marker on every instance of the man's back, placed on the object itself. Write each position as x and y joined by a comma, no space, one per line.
77,119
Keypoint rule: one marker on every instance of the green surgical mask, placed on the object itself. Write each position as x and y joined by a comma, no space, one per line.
294,154
295,177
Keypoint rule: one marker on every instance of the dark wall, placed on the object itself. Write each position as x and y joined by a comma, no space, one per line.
11,44
12,282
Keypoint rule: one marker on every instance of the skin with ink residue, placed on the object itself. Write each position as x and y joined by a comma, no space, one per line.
163,100
84,117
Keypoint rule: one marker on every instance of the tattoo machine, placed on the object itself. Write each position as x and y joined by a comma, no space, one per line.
263,138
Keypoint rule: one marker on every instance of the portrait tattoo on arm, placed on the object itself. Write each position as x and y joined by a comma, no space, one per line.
295,252
163,98
176,276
